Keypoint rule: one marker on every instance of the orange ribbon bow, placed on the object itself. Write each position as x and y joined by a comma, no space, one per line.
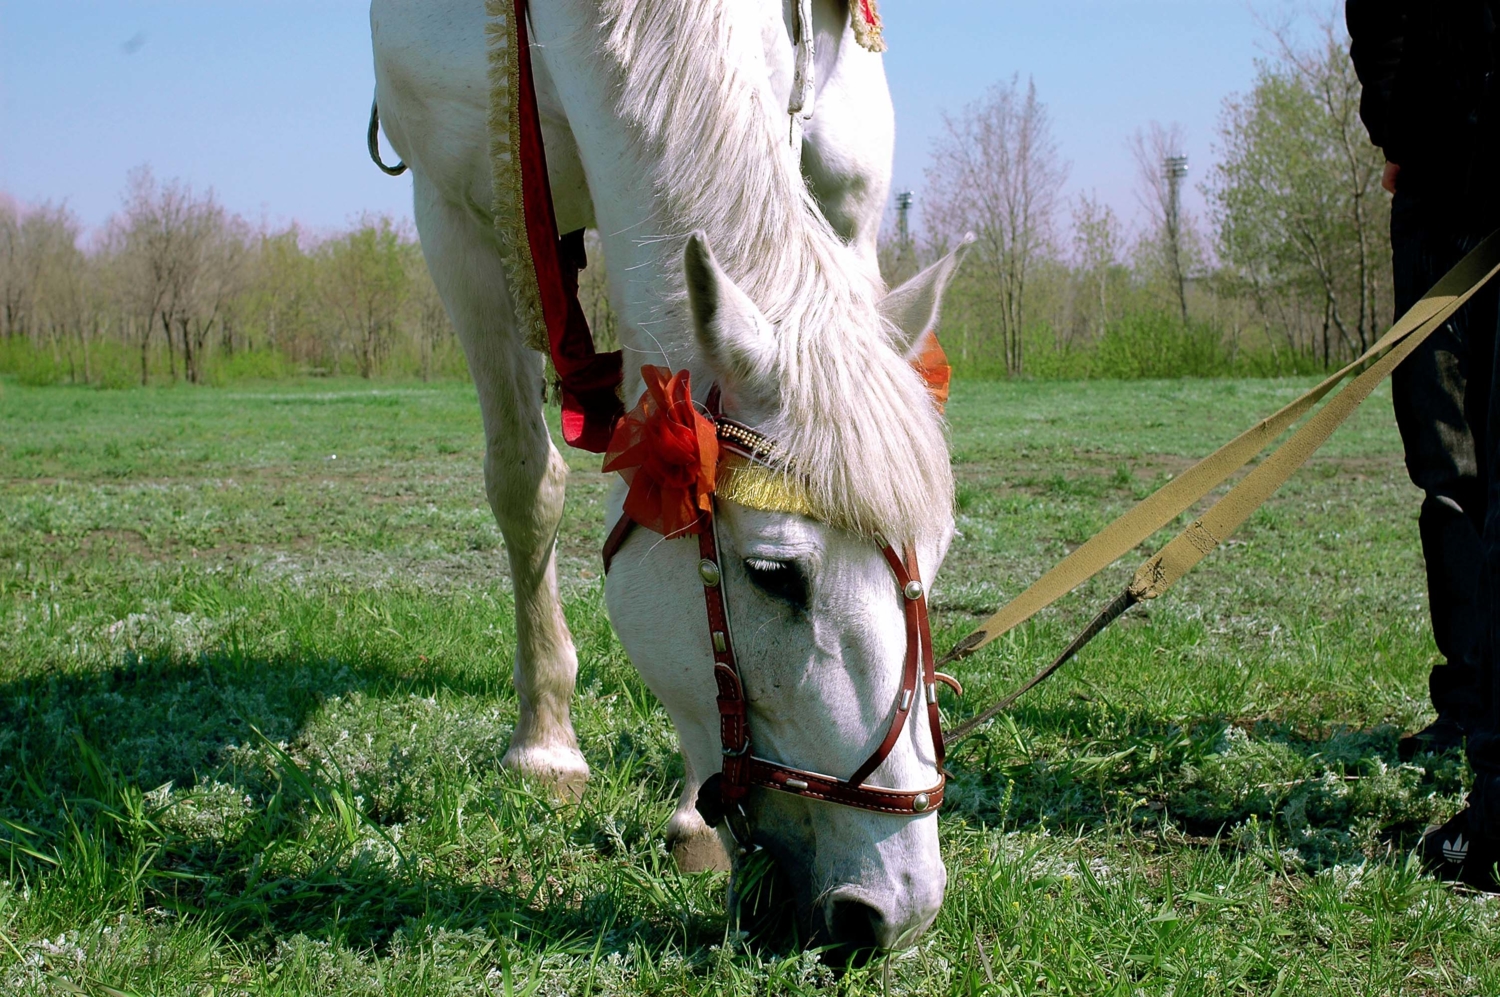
667,451
932,364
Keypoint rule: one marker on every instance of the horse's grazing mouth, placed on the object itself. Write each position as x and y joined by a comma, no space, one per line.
764,904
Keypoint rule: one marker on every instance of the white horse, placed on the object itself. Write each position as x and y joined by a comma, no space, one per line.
662,117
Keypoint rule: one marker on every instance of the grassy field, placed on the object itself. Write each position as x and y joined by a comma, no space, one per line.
254,689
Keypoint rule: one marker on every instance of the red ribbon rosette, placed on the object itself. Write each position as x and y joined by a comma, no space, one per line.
932,364
667,451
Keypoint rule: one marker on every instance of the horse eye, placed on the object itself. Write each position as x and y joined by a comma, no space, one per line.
782,580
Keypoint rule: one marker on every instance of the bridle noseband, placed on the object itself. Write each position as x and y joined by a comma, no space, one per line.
722,795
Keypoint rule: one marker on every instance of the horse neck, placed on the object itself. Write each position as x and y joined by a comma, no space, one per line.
644,227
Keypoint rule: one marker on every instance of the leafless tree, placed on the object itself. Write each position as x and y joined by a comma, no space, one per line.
996,171
61,301
39,264
221,258
185,285
1097,244
182,256
15,281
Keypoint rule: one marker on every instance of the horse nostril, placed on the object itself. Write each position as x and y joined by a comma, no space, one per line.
855,925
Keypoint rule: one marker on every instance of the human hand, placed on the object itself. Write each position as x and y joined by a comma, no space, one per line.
1388,178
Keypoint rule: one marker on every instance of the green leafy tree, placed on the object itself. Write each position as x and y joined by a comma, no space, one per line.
367,281
1302,223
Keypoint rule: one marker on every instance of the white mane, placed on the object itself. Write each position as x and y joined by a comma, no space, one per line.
854,417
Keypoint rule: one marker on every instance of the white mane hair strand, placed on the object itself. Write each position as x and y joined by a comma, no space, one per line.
854,418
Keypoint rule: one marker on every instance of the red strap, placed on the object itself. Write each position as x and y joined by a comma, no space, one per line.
908,696
929,665
616,539
734,722
590,381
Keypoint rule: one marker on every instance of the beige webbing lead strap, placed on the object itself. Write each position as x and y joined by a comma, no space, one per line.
1159,509
1194,543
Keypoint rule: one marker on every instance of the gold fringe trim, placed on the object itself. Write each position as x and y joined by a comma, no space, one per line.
503,40
756,486
868,32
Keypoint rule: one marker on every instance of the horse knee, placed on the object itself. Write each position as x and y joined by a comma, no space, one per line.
525,487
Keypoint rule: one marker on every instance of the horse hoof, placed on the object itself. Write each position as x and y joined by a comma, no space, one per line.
694,845
700,853
560,768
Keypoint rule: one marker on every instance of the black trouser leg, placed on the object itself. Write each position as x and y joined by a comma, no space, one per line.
1451,548
1441,395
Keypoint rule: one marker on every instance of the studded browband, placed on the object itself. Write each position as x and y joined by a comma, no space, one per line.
722,795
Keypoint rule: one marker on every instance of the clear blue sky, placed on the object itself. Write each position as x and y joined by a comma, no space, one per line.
266,101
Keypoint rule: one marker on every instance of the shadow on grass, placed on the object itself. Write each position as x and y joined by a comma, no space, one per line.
268,834
1333,794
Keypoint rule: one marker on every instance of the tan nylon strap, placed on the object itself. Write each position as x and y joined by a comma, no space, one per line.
1165,505
1194,543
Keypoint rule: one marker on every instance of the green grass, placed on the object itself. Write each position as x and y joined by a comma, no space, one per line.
254,690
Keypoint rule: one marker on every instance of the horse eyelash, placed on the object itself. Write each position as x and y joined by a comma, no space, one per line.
761,564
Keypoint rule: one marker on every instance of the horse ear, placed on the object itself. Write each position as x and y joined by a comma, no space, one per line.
734,336
913,307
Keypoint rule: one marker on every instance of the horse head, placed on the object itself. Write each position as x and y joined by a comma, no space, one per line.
817,620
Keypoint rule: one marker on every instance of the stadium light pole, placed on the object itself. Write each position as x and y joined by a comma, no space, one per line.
903,211
1177,171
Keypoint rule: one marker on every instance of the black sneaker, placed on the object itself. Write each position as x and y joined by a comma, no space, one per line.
1451,853
1439,737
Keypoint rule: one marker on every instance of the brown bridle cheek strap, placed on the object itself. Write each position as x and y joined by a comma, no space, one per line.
734,726
906,698
929,667
741,769
722,796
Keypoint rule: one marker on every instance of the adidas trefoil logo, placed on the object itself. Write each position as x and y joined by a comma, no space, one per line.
1456,850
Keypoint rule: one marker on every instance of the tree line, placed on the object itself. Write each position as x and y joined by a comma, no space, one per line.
177,288
1287,272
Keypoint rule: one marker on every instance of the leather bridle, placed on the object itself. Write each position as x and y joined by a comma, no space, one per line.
722,795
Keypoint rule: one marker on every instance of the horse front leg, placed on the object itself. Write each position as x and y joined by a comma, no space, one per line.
525,487
524,481
694,845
